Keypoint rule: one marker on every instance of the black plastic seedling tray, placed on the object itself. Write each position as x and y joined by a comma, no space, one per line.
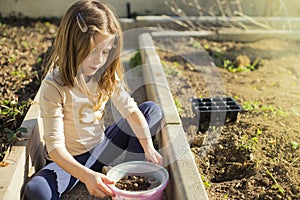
215,111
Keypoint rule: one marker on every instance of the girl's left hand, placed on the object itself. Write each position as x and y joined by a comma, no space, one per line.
153,156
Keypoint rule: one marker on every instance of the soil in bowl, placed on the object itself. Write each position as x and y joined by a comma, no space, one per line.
133,183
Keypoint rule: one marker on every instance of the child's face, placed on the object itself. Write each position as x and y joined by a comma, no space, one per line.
98,56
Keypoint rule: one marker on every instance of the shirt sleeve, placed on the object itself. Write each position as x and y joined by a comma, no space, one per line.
124,103
51,105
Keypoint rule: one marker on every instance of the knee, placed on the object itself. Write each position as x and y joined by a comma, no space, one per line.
152,109
36,189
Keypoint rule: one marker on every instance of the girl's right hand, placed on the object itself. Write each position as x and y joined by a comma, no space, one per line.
96,184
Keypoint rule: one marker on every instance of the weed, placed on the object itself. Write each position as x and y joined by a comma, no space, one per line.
136,60
24,44
231,66
250,106
47,24
266,109
12,112
19,73
176,64
178,105
39,60
195,43
12,58
12,135
225,196
276,185
205,182
170,70
249,143
295,145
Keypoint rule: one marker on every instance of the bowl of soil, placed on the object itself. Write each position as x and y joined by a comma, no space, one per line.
138,180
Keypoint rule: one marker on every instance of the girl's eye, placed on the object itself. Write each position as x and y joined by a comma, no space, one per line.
106,52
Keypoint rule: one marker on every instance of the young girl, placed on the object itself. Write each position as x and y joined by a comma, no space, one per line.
85,72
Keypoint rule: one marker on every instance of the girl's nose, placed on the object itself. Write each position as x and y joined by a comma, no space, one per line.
99,58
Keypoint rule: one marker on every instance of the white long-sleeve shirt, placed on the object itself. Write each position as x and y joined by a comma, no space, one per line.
69,119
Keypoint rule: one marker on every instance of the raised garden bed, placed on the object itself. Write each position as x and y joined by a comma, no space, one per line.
258,155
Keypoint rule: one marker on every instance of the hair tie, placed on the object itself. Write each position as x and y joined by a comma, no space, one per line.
81,23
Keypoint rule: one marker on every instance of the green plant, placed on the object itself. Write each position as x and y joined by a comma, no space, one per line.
276,185
25,44
225,196
195,43
170,70
232,67
206,183
295,145
136,60
19,73
12,135
11,109
39,60
248,143
178,105
250,106
12,58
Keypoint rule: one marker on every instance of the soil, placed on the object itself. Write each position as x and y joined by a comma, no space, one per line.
257,156
133,183
23,45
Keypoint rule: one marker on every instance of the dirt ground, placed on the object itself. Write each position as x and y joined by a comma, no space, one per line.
23,44
258,155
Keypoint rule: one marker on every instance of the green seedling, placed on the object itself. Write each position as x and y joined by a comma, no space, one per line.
276,185
136,60
195,43
19,73
295,145
176,64
12,58
39,60
12,135
249,143
225,196
170,70
24,44
206,46
47,24
12,109
34,51
250,106
178,105
206,183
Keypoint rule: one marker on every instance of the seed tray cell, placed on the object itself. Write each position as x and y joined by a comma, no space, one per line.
215,111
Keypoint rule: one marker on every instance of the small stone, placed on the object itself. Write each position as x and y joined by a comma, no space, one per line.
197,141
233,159
135,186
141,180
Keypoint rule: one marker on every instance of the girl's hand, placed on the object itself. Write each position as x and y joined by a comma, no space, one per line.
96,184
153,156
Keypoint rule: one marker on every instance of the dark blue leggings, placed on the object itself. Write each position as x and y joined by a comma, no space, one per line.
52,181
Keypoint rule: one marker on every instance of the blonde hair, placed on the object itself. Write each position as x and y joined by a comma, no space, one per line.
72,45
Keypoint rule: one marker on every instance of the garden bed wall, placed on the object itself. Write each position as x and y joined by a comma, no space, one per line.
185,181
